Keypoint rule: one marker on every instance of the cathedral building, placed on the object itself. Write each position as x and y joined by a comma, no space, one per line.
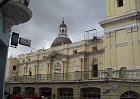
105,67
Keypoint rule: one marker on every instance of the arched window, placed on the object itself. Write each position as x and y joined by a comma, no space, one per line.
129,95
16,90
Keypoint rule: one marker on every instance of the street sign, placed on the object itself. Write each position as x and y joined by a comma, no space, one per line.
14,39
25,42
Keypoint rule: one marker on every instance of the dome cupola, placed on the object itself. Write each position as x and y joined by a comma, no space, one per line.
62,37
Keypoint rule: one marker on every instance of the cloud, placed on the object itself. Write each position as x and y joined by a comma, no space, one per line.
42,29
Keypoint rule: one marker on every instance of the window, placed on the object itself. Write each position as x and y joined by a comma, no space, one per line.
24,69
74,51
62,30
94,48
29,60
123,72
44,57
95,70
120,3
14,67
30,72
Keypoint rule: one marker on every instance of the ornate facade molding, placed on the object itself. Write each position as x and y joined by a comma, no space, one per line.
133,15
130,28
110,33
122,44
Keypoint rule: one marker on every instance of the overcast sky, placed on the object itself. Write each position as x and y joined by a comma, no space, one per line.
42,29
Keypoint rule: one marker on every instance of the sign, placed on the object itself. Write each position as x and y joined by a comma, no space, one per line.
25,42
15,39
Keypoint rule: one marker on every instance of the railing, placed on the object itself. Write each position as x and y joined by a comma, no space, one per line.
78,76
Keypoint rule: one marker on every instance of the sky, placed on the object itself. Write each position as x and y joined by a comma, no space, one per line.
42,28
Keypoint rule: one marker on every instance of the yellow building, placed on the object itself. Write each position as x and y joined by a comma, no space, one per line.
105,67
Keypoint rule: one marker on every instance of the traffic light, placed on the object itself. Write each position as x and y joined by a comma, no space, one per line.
14,39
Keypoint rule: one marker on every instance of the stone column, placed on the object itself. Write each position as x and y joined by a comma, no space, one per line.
22,89
76,93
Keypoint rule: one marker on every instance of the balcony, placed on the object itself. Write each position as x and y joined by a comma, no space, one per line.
128,75
15,12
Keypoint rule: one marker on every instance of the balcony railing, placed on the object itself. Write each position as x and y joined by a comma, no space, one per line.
79,76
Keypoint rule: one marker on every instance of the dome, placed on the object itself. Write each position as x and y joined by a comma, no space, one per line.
63,25
60,40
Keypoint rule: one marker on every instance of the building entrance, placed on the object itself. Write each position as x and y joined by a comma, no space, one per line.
65,93
47,92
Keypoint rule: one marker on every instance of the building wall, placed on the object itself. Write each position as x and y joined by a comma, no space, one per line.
108,90
119,47
9,68
45,61
122,37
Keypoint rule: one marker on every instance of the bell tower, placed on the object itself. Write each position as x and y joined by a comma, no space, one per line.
115,8
63,29
122,34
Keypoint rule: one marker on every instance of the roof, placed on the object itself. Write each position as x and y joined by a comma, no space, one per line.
63,25
60,41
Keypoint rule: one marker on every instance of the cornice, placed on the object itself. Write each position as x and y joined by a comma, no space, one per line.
133,15
129,28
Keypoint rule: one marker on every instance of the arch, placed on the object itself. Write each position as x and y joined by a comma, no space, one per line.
29,90
65,93
130,95
90,93
45,91
16,90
